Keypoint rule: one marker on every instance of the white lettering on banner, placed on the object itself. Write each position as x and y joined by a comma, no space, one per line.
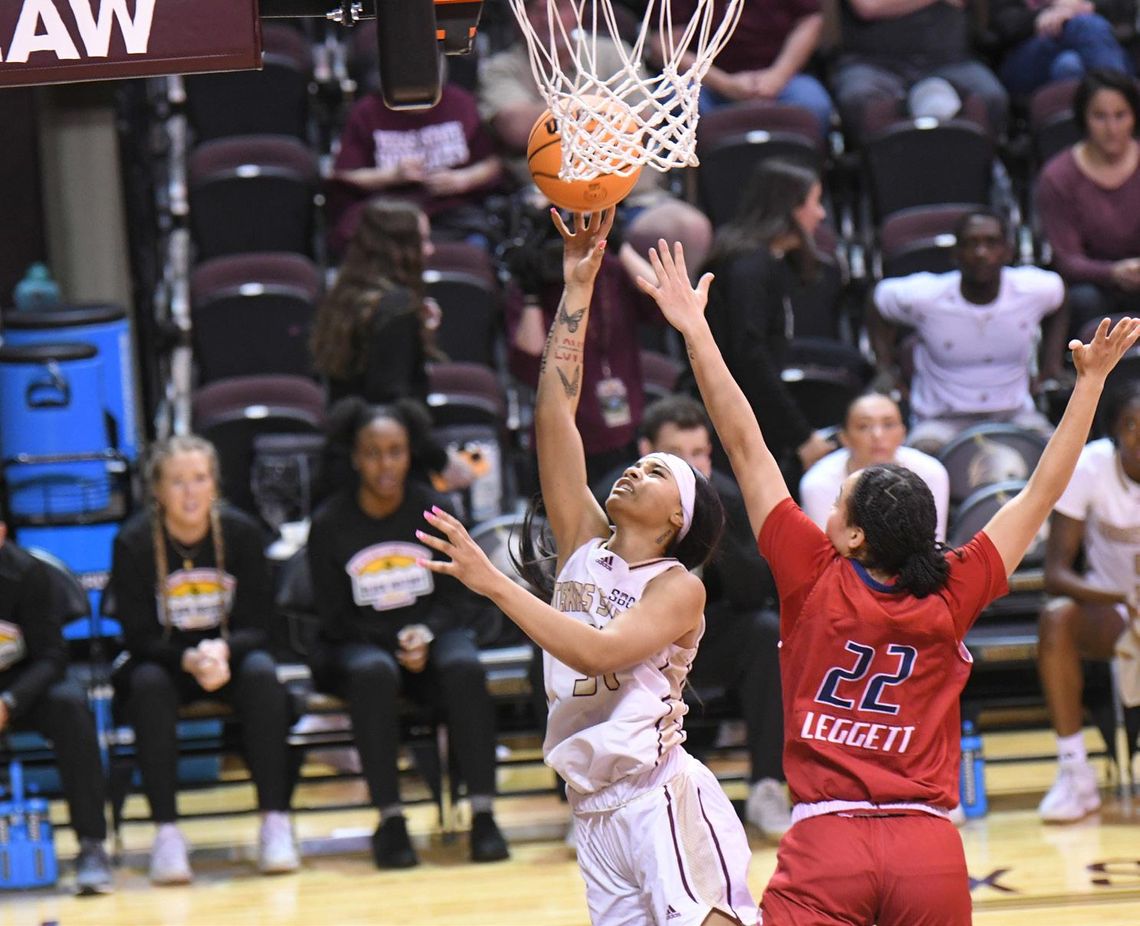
94,31
880,737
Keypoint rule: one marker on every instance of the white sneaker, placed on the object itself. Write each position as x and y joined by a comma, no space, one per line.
1074,795
571,837
169,860
276,849
767,807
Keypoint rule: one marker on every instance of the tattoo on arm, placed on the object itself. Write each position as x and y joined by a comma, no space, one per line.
571,320
570,386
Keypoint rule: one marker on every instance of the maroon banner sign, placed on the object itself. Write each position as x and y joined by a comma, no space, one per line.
60,41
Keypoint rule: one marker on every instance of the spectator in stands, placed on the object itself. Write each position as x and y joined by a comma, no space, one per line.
1089,197
613,394
1041,42
1096,610
387,626
976,329
765,57
511,103
441,159
192,590
36,695
749,311
873,432
888,47
370,334
740,648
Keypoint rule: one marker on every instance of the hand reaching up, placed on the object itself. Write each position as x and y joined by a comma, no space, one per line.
582,248
1103,352
681,304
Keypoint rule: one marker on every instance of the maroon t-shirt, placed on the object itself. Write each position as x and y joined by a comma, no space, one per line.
1090,227
450,135
760,34
871,675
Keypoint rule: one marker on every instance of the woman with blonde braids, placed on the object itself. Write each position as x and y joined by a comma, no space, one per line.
192,591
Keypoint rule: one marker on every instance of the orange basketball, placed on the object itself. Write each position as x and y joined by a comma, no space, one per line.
544,157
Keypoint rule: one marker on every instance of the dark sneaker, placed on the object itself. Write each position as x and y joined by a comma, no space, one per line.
391,847
487,843
93,868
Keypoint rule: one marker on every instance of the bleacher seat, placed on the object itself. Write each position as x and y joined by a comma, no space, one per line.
272,101
924,163
986,454
251,314
252,193
732,140
1051,120
461,278
920,239
232,413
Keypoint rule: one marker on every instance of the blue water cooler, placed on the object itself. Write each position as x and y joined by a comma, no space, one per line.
108,329
67,484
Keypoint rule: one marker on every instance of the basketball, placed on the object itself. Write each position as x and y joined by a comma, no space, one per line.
544,158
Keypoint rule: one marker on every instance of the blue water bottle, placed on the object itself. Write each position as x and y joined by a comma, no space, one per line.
36,291
972,780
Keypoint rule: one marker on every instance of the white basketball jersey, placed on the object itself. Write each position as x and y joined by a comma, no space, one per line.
603,729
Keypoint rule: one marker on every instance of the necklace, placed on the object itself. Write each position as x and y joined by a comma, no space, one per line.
187,553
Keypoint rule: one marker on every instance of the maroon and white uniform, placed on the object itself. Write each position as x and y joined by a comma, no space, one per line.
658,841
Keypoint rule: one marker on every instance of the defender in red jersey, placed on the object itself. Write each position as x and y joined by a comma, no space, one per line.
873,612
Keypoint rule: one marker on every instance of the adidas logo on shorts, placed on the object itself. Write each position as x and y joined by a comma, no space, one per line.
671,914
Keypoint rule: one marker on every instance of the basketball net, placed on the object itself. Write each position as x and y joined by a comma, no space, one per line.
597,114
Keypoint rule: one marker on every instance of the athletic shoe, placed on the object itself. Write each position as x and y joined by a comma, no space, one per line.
767,807
169,860
487,843
276,850
391,847
571,837
1074,795
93,868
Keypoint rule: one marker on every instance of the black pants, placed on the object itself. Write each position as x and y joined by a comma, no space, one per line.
1089,301
61,715
454,680
740,650
154,695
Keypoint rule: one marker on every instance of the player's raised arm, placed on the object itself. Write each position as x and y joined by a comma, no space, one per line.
758,474
1014,527
571,509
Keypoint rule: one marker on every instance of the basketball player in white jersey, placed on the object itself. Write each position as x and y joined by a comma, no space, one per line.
658,841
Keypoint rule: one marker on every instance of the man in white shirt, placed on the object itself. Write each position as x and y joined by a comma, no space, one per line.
977,328
873,432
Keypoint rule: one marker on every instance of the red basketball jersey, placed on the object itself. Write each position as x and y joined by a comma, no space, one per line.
871,676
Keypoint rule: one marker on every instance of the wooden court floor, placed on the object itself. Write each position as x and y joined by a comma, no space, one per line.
1022,873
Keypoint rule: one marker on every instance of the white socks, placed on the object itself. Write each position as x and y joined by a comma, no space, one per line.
1071,749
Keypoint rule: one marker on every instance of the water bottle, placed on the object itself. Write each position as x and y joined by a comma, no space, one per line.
36,291
972,781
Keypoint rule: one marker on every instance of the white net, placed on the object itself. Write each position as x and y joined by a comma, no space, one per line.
614,118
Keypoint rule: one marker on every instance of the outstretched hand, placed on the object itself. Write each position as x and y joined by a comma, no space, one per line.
681,304
582,248
1103,352
469,564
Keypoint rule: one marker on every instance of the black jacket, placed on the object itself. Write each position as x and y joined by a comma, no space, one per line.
32,650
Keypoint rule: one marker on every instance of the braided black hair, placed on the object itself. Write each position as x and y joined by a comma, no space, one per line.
537,555
895,510
348,417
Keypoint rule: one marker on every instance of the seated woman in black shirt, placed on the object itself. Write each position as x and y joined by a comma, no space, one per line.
192,591
388,625
36,695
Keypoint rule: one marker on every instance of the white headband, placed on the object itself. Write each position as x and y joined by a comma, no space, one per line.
686,481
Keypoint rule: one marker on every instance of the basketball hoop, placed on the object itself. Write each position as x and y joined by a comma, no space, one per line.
589,106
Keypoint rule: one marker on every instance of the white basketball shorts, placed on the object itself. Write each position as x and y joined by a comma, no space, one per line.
663,847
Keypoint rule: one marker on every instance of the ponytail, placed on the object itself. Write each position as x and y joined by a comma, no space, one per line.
896,512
